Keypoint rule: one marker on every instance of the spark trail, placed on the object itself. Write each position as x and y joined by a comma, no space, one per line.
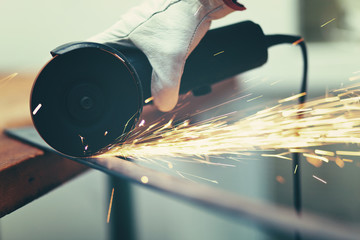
5,80
328,120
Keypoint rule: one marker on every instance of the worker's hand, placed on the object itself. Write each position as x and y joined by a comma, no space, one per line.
167,31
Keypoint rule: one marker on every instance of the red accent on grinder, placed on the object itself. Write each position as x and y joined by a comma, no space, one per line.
235,5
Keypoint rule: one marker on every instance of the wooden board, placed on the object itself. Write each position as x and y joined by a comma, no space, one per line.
26,173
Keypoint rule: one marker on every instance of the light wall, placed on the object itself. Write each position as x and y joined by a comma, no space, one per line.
30,29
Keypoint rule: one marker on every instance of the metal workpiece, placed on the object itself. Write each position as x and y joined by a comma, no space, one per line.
266,215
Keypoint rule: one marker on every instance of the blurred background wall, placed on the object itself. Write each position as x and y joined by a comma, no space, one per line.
30,29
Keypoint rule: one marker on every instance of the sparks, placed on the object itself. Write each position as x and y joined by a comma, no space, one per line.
110,205
321,180
296,167
8,78
326,153
144,179
354,78
328,22
218,53
297,150
292,97
316,157
334,119
196,176
348,153
280,179
142,123
149,99
37,109
170,165
198,10
276,156
252,99
298,41
273,83
81,139
339,162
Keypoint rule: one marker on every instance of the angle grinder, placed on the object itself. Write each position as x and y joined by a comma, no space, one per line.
90,95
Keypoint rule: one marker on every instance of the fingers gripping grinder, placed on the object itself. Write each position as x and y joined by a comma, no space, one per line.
91,95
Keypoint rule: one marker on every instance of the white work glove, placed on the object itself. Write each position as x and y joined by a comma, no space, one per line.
167,31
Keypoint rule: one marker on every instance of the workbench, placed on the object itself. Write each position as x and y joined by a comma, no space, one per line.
20,170
26,172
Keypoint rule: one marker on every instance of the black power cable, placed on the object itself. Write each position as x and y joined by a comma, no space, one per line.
277,39
295,40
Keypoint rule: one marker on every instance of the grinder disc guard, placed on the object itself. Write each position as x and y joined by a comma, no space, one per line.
85,99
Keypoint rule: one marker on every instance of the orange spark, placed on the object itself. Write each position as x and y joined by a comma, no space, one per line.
324,121
218,53
354,78
37,109
339,162
142,123
149,99
81,138
328,22
298,41
144,179
170,165
276,156
109,211
280,179
195,176
316,157
252,99
326,153
348,153
321,180
292,97
8,78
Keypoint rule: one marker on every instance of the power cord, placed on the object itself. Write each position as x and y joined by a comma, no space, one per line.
277,39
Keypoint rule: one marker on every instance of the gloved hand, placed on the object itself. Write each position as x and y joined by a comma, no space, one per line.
167,31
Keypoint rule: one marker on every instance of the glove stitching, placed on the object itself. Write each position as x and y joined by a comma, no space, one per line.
193,35
155,13
198,26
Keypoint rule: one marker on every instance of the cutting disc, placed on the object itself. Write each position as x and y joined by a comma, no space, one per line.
84,100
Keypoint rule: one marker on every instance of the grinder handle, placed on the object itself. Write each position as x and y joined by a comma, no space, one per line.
223,53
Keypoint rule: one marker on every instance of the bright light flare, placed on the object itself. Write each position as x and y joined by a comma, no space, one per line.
144,179
218,53
296,127
8,78
110,205
319,179
328,22
149,99
37,109
298,41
